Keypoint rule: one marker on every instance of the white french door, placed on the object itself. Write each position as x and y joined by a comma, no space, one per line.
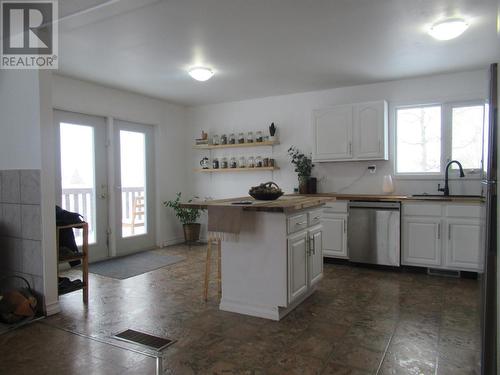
82,166
134,187
88,162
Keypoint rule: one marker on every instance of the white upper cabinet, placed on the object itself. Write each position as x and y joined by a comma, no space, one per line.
332,129
370,131
351,132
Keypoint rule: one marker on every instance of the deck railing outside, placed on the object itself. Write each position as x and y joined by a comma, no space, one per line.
82,200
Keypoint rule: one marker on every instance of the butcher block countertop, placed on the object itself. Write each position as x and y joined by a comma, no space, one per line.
400,198
285,203
294,202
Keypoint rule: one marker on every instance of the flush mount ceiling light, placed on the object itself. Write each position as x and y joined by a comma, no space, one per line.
448,29
200,73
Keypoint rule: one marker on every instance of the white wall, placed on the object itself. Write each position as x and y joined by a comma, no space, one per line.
19,120
169,119
292,115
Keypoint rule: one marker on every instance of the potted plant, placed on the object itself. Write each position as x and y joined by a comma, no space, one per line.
188,218
303,166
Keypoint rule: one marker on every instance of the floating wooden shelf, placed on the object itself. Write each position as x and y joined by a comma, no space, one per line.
211,170
236,145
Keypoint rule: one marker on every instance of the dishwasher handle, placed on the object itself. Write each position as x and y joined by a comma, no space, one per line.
376,205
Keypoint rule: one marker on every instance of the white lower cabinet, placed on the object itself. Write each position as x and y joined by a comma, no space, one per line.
462,237
305,261
315,236
422,241
297,265
335,234
442,235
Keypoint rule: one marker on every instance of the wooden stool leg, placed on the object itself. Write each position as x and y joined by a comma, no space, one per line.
219,266
85,264
207,268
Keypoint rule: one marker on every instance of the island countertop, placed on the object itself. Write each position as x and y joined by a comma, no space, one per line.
283,204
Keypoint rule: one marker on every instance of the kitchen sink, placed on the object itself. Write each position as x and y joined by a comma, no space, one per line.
445,196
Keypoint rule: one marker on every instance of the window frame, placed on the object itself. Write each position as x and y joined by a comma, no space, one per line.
446,140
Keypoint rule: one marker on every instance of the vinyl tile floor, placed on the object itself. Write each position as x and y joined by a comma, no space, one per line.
359,321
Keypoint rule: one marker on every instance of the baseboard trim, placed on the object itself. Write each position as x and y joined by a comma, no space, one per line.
52,308
252,310
175,241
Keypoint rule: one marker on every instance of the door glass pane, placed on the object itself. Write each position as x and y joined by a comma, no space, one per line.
467,136
419,140
133,182
78,174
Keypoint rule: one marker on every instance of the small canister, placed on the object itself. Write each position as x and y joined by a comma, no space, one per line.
250,137
251,162
241,138
233,163
223,139
242,163
259,137
215,140
215,163
258,162
223,163
265,162
232,139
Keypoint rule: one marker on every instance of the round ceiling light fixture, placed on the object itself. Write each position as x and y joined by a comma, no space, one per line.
448,29
200,73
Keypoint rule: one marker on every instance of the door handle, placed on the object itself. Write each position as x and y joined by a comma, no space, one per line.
449,232
301,223
439,231
344,225
311,245
350,148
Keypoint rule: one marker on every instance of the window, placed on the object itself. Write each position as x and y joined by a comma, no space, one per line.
427,137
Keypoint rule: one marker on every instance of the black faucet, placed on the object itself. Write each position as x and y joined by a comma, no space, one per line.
446,189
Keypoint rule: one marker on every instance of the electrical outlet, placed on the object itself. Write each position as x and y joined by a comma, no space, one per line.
372,169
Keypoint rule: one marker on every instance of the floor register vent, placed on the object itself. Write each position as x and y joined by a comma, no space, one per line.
144,339
445,273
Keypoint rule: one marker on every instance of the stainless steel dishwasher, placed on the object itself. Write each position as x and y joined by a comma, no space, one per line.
373,232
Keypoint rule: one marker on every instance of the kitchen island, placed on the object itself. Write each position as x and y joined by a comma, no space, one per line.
274,260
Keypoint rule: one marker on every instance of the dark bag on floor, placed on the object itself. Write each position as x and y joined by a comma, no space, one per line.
67,236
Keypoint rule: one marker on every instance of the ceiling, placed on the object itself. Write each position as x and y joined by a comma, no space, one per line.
266,47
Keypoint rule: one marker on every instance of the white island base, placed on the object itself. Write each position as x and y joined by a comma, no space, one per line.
274,264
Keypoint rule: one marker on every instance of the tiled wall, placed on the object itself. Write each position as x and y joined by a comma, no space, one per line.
20,226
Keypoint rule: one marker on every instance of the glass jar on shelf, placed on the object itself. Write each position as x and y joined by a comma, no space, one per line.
233,163
251,162
215,140
223,139
259,137
258,162
215,163
223,163
231,139
242,163
241,138
250,137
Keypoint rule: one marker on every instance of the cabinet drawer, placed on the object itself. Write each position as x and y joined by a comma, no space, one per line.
335,207
314,217
296,222
463,210
419,209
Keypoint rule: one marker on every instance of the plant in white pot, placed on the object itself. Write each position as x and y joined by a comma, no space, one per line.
187,216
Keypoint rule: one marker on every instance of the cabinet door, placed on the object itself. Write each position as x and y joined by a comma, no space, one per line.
334,235
370,131
422,241
315,255
332,133
297,265
463,244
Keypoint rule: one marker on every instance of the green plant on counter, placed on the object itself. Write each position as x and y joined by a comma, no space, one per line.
303,163
185,215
